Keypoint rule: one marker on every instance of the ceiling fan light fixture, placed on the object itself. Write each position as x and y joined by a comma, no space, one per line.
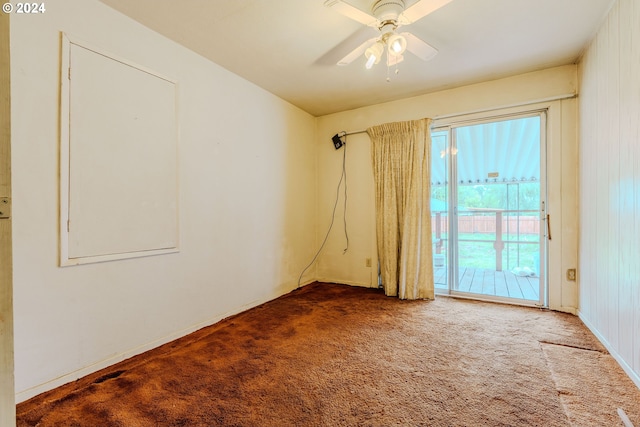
387,16
397,44
373,54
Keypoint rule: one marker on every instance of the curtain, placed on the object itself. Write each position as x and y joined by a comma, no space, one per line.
401,155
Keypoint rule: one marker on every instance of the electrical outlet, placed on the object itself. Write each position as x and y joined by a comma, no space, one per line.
571,274
367,262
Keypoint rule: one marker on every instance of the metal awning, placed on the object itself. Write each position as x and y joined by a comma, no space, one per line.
490,153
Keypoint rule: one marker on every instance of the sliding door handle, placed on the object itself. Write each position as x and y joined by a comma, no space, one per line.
549,226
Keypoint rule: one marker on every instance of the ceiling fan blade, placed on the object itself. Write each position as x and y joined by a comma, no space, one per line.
352,12
419,48
419,10
356,53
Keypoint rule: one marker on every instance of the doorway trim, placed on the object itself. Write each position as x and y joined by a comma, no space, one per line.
7,383
561,151
453,270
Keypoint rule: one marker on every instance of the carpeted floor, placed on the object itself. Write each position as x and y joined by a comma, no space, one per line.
333,355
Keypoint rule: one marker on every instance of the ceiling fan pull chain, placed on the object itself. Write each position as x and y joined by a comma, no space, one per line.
388,78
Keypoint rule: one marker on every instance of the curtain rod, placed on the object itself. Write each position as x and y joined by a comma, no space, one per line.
484,110
354,132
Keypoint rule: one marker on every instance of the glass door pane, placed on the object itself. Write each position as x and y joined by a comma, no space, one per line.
440,207
487,194
497,194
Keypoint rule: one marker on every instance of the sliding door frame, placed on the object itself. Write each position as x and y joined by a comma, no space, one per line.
7,387
449,125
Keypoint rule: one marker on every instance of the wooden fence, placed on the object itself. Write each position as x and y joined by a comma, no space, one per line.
487,221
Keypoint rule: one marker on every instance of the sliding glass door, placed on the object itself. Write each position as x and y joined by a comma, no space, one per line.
488,199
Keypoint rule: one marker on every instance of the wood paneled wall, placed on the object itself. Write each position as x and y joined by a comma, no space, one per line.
609,182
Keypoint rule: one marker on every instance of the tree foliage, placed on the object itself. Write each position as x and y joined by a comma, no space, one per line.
512,196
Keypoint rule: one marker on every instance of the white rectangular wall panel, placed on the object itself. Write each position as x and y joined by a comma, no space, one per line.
119,159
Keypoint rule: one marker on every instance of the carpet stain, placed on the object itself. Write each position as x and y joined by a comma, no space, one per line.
110,375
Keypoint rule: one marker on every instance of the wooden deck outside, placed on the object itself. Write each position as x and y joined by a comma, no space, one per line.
490,282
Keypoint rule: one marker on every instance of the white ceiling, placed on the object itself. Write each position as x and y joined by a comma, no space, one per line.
290,47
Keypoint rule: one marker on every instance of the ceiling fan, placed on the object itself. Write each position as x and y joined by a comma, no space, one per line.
387,16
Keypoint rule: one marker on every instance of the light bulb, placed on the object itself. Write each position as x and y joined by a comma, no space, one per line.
373,54
397,44
370,62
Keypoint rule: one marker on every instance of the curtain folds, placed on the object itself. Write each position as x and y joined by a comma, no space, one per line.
401,155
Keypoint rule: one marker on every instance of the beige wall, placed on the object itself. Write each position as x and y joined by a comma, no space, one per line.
247,205
610,185
498,95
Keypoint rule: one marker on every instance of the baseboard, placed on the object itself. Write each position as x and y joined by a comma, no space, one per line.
566,309
23,395
346,282
635,377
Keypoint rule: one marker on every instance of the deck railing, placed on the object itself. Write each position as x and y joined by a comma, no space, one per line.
497,222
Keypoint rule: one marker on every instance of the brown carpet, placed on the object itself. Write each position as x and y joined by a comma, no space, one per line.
333,355
584,375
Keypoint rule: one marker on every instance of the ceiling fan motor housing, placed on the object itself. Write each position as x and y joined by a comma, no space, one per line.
388,10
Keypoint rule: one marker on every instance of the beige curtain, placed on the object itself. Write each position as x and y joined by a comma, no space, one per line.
401,154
